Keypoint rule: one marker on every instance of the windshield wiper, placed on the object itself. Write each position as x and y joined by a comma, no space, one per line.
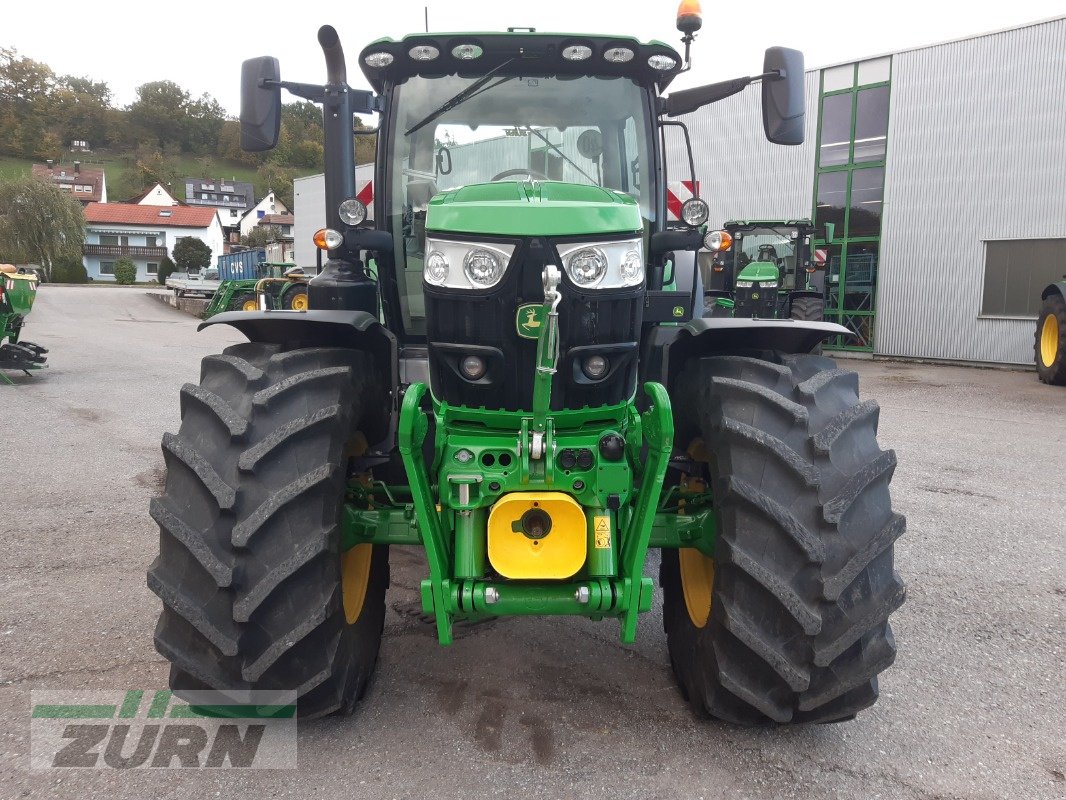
554,147
461,97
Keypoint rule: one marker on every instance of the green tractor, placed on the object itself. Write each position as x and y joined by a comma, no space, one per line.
280,286
1050,345
762,268
18,289
493,372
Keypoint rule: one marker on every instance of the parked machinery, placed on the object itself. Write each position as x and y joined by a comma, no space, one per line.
1050,345
18,289
492,370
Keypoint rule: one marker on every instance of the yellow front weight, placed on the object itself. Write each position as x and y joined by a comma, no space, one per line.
537,535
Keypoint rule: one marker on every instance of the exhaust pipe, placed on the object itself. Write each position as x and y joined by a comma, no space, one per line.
337,125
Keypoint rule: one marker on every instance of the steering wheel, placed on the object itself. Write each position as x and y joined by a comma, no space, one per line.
507,173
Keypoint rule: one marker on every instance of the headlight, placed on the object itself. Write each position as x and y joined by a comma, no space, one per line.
694,212
717,240
587,266
483,267
352,211
743,284
769,285
604,265
465,265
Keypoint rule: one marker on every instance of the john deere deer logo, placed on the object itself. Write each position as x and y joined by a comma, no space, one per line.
529,319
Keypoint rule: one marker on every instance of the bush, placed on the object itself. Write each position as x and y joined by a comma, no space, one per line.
69,270
191,254
166,269
125,271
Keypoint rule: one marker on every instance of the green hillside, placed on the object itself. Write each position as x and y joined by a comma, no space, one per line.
120,168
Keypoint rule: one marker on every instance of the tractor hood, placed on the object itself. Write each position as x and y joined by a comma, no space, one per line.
759,271
533,208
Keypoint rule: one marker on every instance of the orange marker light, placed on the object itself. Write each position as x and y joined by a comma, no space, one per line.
689,16
320,239
327,239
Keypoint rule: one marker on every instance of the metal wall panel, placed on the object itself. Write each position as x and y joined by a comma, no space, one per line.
976,151
741,175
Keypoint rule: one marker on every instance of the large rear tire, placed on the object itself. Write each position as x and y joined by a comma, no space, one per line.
810,309
1050,346
256,594
789,622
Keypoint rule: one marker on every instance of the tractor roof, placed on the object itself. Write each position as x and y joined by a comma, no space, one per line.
529,53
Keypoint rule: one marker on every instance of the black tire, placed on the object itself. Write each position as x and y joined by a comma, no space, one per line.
238,301
804,581
290,296
1053,371
809,309
249,564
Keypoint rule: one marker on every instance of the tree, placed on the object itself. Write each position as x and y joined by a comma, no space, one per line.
39,223
276,178
260,236
69,270
191,254
125,271
166,269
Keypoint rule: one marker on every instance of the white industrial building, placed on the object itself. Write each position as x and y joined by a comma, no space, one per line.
944,171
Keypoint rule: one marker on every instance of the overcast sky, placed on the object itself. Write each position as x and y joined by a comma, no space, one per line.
200,45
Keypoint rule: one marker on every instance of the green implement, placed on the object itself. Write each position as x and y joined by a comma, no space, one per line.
18,289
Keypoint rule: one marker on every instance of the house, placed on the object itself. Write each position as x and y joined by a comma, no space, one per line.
268,206
158,195
87,185
283,222
144,234
231,199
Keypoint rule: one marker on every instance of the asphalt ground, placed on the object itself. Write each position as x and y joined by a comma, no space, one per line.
975,706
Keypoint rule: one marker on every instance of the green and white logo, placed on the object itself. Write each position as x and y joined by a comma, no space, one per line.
529,320
134,729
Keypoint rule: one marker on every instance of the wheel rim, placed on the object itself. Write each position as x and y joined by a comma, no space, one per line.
249,305
1049,340
299,302
355,577
697,584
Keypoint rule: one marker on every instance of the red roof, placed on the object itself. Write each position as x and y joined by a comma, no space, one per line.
167,216
68,177
278,219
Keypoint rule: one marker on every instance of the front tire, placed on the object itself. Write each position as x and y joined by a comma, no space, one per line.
810,309
1050,345
255,591
794,626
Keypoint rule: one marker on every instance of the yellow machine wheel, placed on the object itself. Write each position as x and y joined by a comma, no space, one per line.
296,300
1049,340
355,577
249,305
697,583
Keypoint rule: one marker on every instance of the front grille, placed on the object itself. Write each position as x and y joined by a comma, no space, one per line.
746,304
482,323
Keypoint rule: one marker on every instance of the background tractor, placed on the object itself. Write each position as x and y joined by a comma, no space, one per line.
492,371
762,268
1050,346
279,286
18,288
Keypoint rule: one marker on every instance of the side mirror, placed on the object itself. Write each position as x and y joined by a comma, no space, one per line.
782,96
260,104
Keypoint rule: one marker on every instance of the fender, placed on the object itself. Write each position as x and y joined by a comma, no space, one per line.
1054,288
358,330
668,349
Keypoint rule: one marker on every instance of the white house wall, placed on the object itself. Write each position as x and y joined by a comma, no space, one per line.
976,151
211,236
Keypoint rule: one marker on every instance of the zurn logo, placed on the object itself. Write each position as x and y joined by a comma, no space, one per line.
136,729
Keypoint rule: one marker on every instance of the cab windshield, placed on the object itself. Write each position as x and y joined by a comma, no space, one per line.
776,245
586,130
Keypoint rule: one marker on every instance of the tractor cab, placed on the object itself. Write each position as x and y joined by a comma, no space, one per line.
758,268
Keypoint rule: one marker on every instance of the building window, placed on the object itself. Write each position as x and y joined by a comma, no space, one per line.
151,241
835,143
107,267
867,196
114,240
153,269
871,124
1016,271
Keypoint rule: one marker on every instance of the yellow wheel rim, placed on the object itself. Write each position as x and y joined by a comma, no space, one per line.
250,305
1049,340
299,302
355,576
697,583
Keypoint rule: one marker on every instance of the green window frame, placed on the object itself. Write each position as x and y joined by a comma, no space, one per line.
842,306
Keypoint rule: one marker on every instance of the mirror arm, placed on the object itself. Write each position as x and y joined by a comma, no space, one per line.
308,91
